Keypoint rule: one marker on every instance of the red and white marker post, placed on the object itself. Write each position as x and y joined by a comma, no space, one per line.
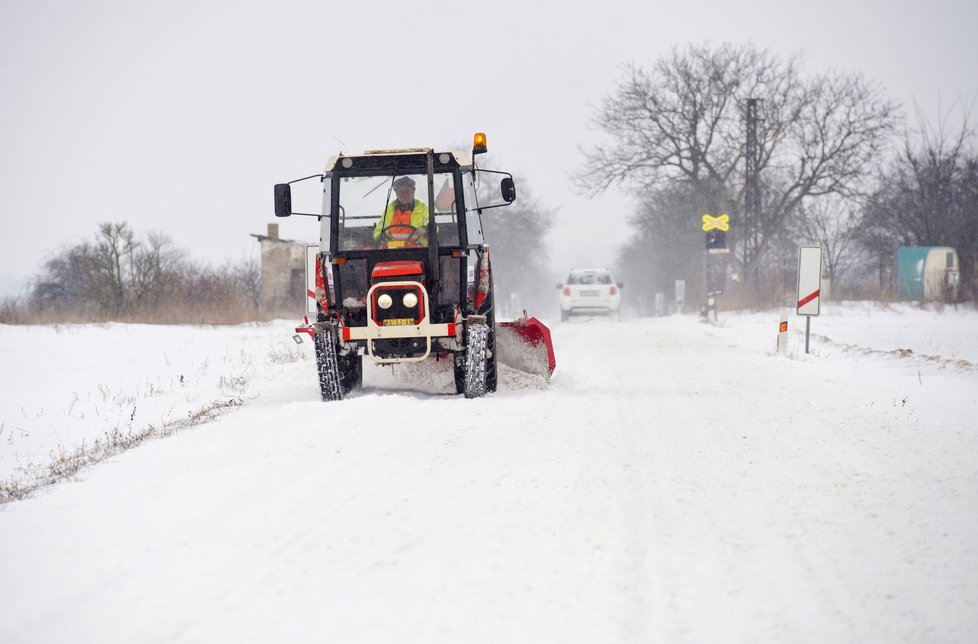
783,333
809,285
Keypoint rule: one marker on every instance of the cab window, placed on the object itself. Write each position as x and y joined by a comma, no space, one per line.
473,222
446,210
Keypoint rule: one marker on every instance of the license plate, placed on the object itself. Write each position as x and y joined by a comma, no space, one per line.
590,293
399,322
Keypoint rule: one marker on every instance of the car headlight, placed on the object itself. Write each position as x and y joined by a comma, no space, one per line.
385,301
410,300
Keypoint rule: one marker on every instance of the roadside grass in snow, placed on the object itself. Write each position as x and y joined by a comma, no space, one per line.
77,395
66,463
940,361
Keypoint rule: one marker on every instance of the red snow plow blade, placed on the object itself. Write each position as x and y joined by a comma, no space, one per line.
525,344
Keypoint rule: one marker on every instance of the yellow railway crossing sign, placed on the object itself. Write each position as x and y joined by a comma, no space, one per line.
720,223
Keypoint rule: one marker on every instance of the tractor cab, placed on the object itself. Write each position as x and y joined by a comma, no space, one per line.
385,217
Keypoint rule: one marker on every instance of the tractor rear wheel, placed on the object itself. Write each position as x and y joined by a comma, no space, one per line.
328,365
459,360
491,364
351,371
476,360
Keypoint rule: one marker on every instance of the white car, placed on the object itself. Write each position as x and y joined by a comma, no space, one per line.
590,291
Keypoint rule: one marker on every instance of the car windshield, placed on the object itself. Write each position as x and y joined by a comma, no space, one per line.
590,277
365,200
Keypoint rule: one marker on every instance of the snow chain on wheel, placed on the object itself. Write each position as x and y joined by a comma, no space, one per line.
459,364
351,371
476,358
328,365
491,366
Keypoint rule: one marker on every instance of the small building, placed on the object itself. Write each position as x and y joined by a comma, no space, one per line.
927,273
283,274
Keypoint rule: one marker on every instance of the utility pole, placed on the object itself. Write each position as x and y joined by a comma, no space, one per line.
752,190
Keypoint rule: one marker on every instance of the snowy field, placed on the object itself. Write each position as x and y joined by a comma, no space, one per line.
676,482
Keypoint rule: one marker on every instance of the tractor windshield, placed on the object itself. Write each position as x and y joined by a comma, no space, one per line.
385,212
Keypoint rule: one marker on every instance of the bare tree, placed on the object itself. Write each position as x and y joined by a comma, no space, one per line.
155,266
667,245
833,224
967,214
115,245
247,276
118,276
517,236
90,275
683,120
929,196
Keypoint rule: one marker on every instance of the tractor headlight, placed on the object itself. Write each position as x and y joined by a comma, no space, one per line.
410,300
385,301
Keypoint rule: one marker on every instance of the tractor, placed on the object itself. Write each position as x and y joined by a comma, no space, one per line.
402,272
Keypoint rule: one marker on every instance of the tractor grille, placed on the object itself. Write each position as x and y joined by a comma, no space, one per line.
398,314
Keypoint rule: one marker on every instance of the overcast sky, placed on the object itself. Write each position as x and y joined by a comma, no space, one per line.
180,116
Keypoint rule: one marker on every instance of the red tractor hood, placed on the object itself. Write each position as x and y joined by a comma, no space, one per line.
397,269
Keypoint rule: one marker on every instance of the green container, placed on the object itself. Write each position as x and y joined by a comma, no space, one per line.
927,273
911,261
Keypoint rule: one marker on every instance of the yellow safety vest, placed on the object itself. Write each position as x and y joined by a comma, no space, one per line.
394,216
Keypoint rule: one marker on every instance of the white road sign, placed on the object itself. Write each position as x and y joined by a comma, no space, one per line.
809,279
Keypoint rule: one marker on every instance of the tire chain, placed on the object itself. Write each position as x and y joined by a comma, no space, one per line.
328,366
475,361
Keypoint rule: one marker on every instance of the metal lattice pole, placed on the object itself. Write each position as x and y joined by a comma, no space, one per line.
752,190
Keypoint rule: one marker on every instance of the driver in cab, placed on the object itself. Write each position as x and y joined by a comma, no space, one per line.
405,221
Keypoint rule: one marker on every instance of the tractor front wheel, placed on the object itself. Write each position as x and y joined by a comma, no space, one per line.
328,365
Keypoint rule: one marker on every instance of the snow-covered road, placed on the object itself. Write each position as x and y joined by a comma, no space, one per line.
676,482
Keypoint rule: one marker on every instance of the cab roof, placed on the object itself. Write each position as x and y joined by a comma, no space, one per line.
375,159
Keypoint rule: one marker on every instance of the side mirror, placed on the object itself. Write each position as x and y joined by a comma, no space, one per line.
621,285
560,286
508,189
283,200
